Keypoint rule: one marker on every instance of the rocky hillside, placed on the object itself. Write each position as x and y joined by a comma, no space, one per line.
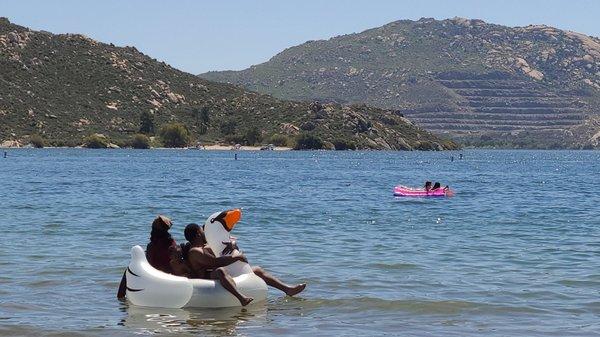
486,84
66,87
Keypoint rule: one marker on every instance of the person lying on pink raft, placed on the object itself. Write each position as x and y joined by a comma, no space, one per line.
427,191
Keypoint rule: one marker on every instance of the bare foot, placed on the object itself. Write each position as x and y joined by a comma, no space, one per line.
246,300
296,289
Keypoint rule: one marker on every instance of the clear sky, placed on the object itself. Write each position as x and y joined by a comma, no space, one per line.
202,35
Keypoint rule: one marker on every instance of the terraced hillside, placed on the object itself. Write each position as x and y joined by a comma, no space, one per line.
485,84
497,104
64,88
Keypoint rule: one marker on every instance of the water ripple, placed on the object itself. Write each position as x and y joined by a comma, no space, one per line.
514,253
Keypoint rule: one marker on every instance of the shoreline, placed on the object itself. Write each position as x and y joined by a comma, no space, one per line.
282,148
218,147
204,148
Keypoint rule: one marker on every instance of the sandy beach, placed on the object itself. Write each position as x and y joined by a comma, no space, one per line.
219,147
214,147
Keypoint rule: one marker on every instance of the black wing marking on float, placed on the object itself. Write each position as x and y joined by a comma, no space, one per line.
133,290
136,275
132,273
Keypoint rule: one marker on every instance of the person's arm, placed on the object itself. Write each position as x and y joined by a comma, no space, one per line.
199,257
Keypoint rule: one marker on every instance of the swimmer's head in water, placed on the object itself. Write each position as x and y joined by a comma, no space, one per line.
436,185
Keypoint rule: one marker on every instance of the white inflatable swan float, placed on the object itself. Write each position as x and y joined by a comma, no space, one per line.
149,287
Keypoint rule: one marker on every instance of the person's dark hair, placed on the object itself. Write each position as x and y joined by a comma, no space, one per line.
436,185
191,232
427,184
160,237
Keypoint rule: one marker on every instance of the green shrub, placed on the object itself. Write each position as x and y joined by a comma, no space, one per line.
587,147
308,126
121,143
307,141
155,142
388,121
37,141
278,140
343,144
450,144
234,139
426,146
202,116
362,125
252,136
175,135
140,141
228,127
96,141
146,123
64,142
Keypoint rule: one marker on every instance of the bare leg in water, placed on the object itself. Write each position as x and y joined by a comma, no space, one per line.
276,283
228,283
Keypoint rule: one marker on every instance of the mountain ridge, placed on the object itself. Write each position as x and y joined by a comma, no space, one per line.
486,84
65,87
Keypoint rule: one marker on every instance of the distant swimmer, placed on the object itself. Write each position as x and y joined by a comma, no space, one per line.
451,158
437,185
430,190
460,156
427,186
235,156
5,154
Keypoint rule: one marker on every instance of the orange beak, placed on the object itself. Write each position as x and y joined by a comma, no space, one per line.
231,218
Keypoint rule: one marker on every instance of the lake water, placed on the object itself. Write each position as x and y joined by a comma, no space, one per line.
515,253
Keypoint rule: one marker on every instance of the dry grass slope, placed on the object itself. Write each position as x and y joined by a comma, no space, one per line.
64,88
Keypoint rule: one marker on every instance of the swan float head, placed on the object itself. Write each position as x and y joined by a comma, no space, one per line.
218,226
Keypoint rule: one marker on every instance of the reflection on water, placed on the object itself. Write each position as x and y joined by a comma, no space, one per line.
206,322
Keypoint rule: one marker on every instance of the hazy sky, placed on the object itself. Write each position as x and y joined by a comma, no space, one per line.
202,35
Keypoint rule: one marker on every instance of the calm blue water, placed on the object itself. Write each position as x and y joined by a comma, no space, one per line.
515,253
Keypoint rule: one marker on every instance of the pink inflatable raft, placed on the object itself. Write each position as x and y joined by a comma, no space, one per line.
403,191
